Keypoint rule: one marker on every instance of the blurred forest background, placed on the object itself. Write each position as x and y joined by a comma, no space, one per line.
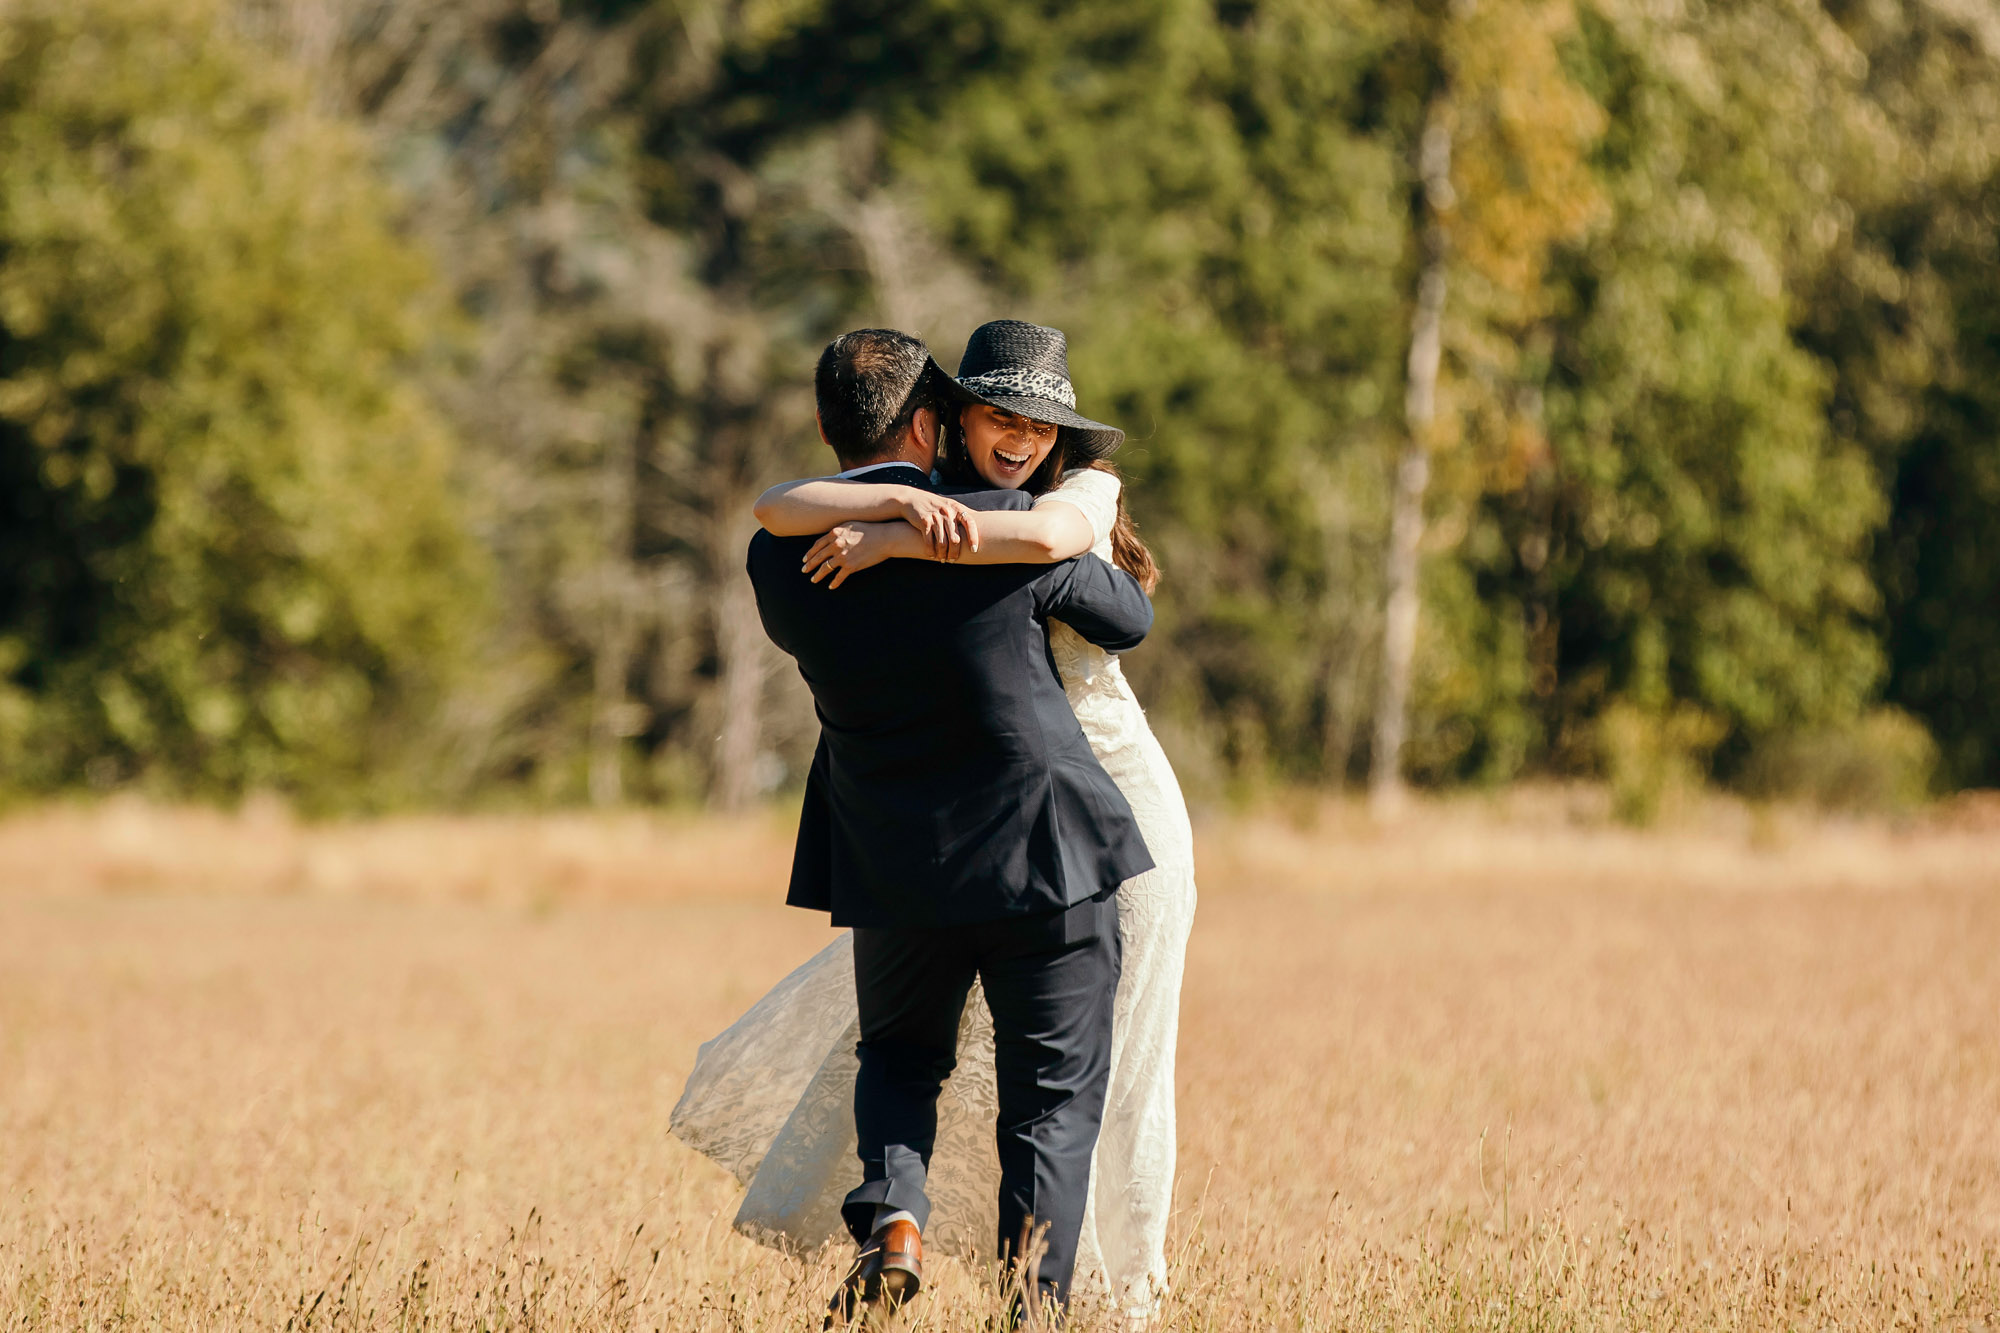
1594,388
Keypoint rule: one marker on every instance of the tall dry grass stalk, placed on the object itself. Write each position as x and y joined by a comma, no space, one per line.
1482,1070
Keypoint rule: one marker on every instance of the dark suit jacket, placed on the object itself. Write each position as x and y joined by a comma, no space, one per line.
952,783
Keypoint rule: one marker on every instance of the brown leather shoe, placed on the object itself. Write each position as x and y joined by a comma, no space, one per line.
888,1272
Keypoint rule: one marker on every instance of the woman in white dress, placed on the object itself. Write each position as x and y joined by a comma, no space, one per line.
771,1098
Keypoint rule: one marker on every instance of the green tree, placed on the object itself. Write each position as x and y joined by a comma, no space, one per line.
229,558
650,271
1192,193
1498,179
1697,535
1902,308
1710,457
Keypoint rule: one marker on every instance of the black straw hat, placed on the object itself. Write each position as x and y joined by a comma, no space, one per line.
1024,368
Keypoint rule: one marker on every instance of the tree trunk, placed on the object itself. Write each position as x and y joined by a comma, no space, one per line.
744,665
615,594
610,712
1413,470
1343,684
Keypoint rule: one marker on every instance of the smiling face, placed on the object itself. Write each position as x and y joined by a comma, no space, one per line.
1005,448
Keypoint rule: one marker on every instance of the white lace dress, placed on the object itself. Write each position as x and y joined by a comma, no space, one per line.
772,1098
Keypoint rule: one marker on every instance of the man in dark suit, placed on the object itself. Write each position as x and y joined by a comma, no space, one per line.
956,818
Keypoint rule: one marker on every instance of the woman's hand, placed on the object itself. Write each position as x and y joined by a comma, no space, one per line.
947,526
853,547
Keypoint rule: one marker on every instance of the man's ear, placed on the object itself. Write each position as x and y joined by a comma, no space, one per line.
924,422
820,426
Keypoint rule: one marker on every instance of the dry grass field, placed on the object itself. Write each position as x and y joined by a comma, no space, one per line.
1495,1068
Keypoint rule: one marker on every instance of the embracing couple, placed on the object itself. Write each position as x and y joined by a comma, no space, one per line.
984,1064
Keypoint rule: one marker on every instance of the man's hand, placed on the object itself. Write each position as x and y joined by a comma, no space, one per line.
948,526
853,547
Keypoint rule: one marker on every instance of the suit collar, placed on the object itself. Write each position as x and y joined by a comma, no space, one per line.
882,472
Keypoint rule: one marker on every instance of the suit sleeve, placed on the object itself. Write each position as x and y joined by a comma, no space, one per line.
760,564
990,501
1099,601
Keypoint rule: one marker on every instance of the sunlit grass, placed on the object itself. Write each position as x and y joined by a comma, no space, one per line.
1494,1068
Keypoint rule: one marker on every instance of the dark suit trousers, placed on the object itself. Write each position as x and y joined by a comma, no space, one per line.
1050,981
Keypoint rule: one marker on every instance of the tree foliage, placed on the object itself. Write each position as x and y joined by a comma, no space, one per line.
1711,481
231,557
1696,534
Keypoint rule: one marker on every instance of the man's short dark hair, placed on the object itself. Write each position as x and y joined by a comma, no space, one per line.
869,385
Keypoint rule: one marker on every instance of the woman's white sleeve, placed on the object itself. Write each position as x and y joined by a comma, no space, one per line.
1093,492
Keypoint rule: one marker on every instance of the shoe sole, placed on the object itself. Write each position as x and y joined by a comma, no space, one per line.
882,1299
898,1285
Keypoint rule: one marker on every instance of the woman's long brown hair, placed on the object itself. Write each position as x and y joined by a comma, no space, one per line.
1128,551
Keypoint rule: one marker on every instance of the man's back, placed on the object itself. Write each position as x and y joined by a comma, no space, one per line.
952,783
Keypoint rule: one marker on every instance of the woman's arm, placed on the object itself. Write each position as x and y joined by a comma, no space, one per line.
1044,535
802,508
807,508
